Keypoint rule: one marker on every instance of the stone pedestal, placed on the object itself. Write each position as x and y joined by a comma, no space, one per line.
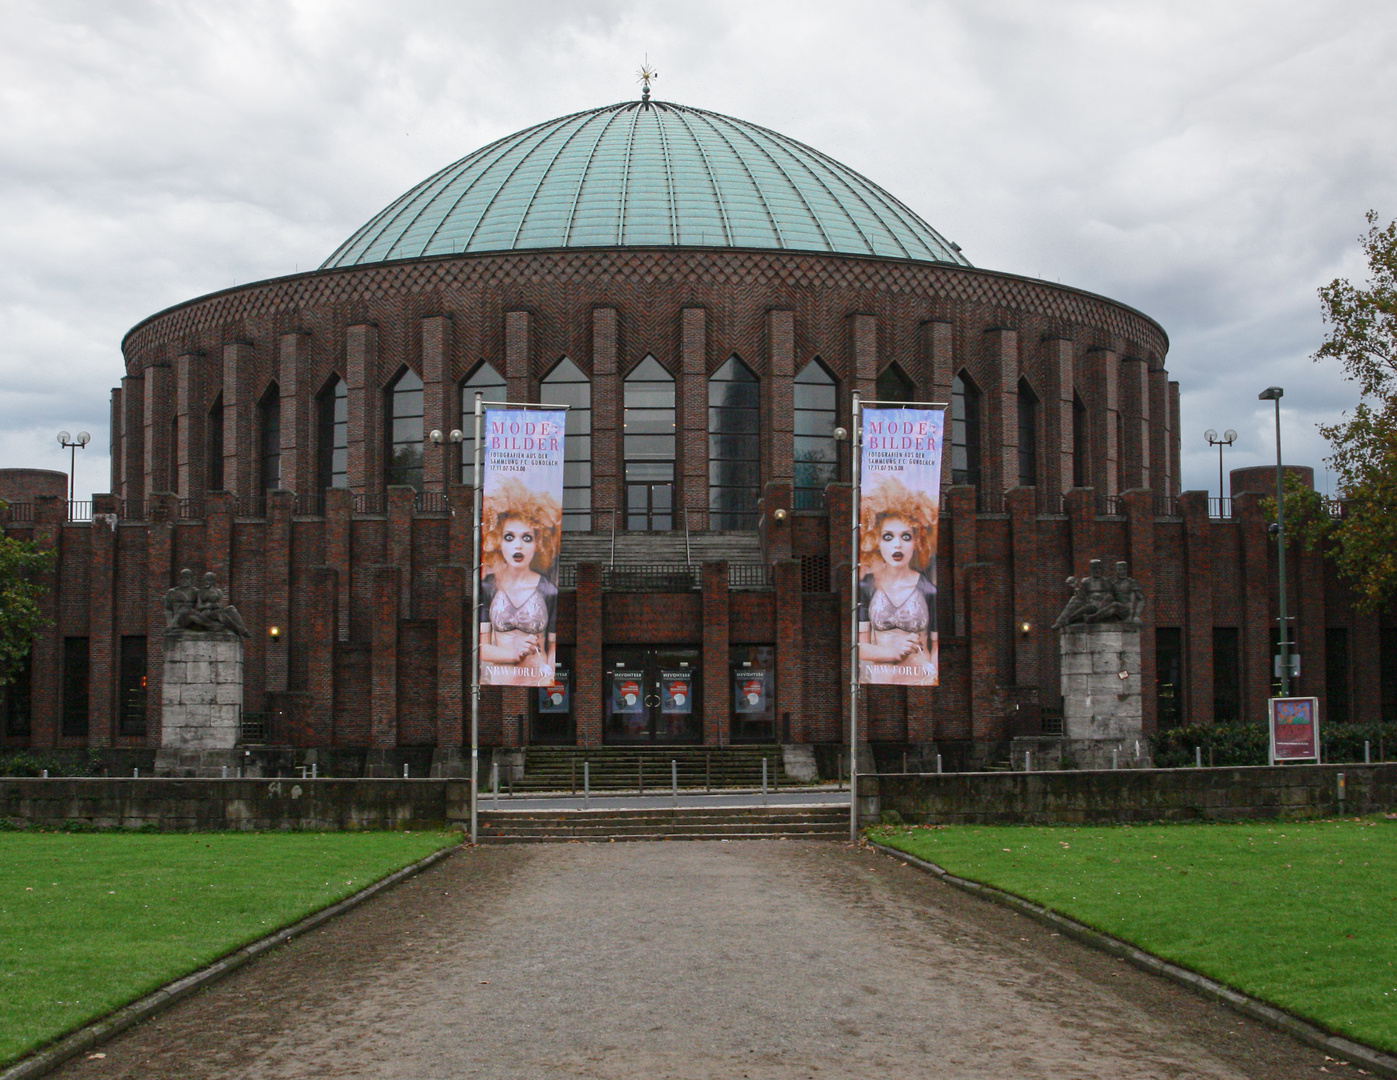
1101,703
201,703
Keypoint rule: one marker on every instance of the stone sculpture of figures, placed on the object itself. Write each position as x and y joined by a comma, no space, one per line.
188,608
1098,599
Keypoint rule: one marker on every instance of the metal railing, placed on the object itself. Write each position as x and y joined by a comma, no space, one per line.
17,512
656,577
371,503
750,576
688,557
1166,506
1219,507
431,502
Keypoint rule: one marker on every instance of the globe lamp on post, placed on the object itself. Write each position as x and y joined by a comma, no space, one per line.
73,445
1228,438
1275,393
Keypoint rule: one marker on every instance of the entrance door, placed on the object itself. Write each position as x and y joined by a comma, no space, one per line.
651,695
650,507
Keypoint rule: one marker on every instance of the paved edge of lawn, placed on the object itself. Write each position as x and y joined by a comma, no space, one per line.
48,1058
1306,1031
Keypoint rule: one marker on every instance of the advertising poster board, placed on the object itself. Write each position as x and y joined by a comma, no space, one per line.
749,691
676,691
520,536
553,698
1294,729
627,692
899,501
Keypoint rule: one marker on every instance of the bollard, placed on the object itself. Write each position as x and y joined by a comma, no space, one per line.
1114,752
136,773
839,759
46,774
938,764
1027,760
640,773
673,777
763,780
1342,792
405,774
1197,757
586,782
1367,760
904,761
495,783
572,775
707,773
225,772
315,770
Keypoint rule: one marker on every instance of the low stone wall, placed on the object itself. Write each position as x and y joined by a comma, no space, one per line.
1099,797
179,805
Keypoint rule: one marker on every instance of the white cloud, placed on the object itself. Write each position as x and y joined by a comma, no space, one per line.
1206,163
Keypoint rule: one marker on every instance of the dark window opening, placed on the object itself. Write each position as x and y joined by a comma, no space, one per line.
214,440
131,704
1028,436
566,385
269,422
1227,681
894,386
75,687
333,431
816,464
491,385
734,446
405,431
1168,676
1336,674
965,431
17,700
649,448
1079,443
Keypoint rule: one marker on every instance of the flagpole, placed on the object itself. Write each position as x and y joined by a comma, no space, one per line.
856,442
475,622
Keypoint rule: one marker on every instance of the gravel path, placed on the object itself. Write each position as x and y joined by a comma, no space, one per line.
759,959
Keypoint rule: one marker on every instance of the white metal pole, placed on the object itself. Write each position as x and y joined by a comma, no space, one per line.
856,443
474,614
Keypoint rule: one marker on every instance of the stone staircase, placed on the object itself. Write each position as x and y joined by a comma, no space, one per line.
641,769
684,823
652,549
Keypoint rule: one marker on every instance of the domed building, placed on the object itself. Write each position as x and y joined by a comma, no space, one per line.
705,295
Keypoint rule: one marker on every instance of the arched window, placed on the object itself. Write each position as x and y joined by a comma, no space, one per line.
894,385
332,426
404,431
490,383
269,438
1028,435
213,446
816,453
965,431
1079,443
648,446
734,446
566,385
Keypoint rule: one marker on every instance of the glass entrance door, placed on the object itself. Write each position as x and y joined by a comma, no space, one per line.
650,507
651,695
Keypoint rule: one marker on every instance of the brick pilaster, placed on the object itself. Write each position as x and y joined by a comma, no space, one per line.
587,674
322,631
717,698
999,447
778,413
1103,374
364,456
339,514
790,651
939,344
400,525
606,418
453,644
276,576
239,405
692,418
1058,412
383,689
297,408
518,355
441,404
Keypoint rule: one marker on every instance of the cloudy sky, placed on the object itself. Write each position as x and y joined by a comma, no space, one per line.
1208,163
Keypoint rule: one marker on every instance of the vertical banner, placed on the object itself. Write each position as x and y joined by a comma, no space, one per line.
1294,729
520,534
899,504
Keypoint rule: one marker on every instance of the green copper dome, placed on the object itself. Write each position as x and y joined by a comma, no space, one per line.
645,173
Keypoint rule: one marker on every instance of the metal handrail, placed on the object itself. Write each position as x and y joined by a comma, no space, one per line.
688,558
613,536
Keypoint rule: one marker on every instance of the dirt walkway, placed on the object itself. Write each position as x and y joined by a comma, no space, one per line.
770,959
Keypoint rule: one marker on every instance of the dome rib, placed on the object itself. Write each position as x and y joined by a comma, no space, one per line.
673,176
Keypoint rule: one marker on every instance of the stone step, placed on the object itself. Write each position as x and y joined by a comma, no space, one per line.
683,823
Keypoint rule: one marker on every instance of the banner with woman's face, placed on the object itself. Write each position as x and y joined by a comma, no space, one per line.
520,536
899,498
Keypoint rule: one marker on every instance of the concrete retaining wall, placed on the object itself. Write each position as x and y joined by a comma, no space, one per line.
1291,791
199,805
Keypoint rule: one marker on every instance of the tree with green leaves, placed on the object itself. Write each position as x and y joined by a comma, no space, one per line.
1362,337
22,568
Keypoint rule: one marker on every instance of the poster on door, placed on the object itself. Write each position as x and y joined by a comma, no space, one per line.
1294,729
899,501
749,691
627,694
677,691
521,520
553,698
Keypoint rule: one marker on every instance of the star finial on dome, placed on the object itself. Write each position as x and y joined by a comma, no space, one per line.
645,75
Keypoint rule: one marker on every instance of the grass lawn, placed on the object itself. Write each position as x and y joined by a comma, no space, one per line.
91,921
1303,915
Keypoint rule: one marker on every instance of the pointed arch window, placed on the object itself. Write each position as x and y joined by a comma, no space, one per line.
332,427
491,386
1079,443
894,385
404,431
567,385
965,430
213,446
648,446
816,464
734,446
1028,435
269,438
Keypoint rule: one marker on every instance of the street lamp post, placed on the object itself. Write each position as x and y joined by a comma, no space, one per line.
73,446
1275,393
1228,438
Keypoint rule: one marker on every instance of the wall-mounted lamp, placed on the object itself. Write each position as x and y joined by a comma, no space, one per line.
434,436
274,632
779,515
1123,675
457,435
1025,628
841,433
